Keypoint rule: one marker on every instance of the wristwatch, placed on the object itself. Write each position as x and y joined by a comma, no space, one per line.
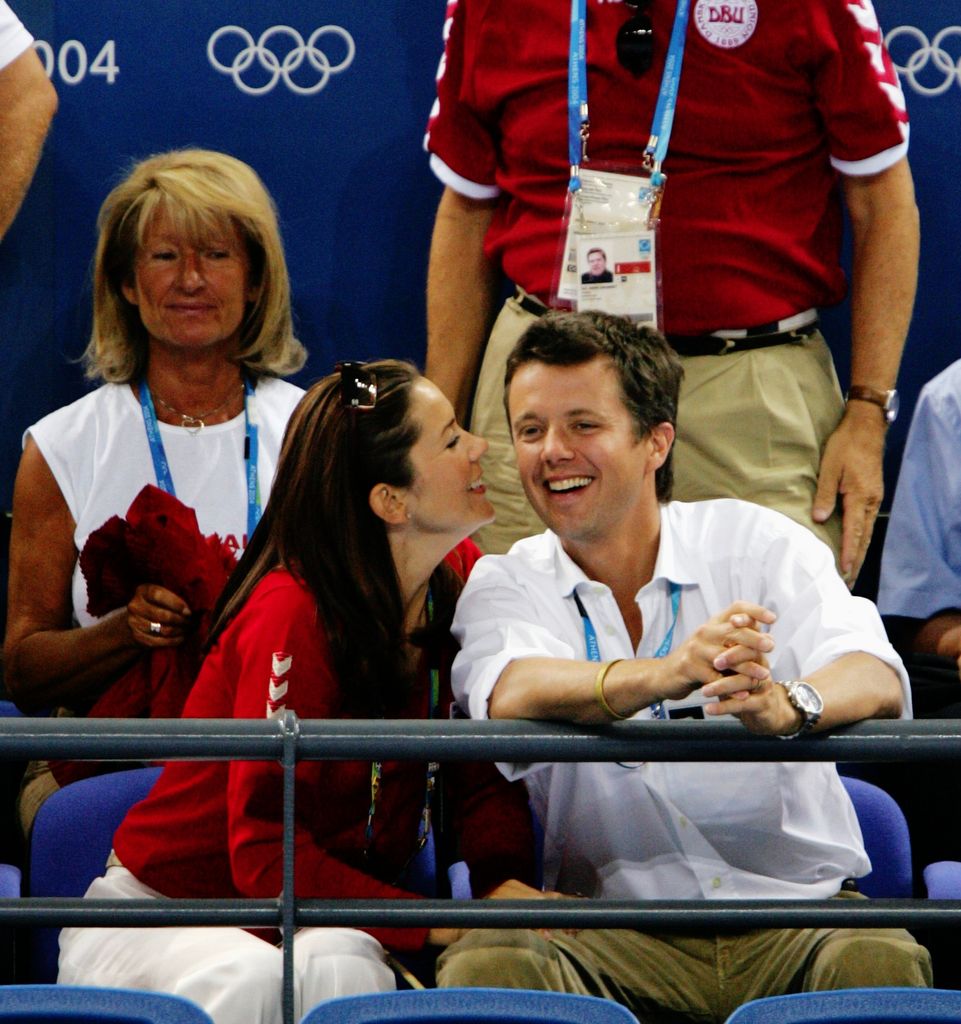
807,700
886,400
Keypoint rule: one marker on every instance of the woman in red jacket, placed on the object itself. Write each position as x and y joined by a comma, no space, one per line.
340,608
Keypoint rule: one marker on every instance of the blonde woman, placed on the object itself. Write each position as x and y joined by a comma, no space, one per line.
191,333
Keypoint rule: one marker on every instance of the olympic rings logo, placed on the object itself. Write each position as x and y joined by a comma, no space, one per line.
925,53
280,66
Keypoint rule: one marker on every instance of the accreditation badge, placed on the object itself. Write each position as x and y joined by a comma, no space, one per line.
608,255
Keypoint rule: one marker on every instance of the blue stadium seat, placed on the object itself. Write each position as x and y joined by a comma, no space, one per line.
60,1004
943,880
886,839
9,890
9,881
469,1006
71,839
854,1006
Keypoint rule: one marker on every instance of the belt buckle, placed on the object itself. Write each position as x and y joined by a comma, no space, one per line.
727,345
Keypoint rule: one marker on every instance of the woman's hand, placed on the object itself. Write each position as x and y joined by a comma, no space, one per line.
512,889
445,936
157,617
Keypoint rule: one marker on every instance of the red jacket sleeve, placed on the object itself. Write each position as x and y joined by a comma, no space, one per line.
281,660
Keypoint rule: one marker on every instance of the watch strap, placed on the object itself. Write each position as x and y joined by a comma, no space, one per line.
884,400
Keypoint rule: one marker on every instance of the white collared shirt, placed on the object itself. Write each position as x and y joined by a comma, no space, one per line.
672,830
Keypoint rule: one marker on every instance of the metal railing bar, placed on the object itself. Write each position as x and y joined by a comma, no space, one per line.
682,740
60,911
368,739
288,906
654,915
659,915
123,739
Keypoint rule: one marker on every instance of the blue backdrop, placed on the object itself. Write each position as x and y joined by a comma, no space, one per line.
338,142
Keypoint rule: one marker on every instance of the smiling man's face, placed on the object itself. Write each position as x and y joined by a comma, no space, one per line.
584,469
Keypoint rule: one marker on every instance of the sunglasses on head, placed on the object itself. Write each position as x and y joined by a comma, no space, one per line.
358,386
635,39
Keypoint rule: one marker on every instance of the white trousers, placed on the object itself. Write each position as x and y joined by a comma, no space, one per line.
234,976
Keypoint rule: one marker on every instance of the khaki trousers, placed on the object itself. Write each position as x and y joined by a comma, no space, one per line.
670,979
751,425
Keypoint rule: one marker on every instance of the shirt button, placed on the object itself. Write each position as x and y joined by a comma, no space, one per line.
716,883
610,631
682,822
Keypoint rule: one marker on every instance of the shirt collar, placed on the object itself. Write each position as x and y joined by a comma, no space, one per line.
675,563
567,572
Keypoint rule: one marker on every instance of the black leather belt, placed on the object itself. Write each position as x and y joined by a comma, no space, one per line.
756,337
762,336
530,305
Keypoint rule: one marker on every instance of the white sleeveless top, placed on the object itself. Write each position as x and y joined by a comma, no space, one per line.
98,453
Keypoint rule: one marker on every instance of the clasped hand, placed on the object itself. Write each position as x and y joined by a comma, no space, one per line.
727,658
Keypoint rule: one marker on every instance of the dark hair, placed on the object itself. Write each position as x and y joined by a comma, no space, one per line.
319,525
648,369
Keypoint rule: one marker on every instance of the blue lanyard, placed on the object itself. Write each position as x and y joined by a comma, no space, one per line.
162,466
578,122
594,650
656,150
251,453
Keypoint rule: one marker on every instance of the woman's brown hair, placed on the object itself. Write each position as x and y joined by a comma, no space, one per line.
319,524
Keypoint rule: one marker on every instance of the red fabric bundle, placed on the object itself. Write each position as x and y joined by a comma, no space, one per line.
157,542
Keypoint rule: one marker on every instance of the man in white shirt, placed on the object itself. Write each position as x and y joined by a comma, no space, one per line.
27,104
632,605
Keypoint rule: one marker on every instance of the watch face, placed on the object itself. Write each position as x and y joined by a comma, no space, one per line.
891,406
808,699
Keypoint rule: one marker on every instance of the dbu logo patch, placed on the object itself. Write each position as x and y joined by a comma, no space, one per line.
726,25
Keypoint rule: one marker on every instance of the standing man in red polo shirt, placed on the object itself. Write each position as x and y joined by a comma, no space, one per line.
27,104
782,108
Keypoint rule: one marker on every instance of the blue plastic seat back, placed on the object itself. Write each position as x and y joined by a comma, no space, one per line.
71,839
68,1004
855,1006
469,1006
942,879
9,881
886,838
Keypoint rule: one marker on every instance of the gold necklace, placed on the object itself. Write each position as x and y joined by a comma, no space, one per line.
194,424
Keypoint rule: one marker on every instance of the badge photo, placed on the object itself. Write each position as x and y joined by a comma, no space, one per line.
617,274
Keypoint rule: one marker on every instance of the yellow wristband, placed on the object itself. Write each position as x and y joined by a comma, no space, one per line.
599,689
